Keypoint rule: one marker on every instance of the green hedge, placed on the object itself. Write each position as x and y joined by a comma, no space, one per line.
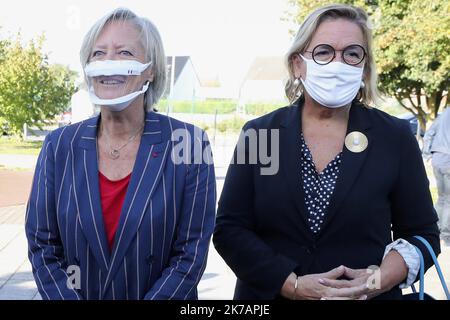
263,108
234,124
229,106
207,106
15,145
222,107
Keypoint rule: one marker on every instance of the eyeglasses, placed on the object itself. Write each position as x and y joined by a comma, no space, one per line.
324,53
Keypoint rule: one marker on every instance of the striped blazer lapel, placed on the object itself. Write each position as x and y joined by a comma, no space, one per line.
151,158
88,203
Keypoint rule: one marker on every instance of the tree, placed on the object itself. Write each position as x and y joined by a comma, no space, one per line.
412,50
31,90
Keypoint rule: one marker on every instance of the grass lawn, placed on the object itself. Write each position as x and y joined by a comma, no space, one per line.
14,145
221,106
14,169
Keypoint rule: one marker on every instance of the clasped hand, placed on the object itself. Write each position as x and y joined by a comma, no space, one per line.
356,285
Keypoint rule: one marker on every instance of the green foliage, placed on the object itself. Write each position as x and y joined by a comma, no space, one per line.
203,125
413,52
263,108
222,107
204,106
412,46
31,90
301,8
234,124
15,145
392,107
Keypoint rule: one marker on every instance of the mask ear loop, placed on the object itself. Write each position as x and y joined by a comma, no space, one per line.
295,92
360,91
147,93
127,87
296,85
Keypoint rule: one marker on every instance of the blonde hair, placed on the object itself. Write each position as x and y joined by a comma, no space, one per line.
151,41
368,94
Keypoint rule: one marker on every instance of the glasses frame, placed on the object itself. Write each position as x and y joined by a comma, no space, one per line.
334,54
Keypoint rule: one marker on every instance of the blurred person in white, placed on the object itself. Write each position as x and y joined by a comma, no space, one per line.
437,147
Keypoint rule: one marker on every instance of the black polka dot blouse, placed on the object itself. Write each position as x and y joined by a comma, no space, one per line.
318,187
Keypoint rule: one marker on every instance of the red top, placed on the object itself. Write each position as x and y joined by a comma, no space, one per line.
112,195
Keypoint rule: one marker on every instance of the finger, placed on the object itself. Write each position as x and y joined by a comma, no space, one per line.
336,298
364,297
348,292
335,273
362,279
335,283
357,282
353,273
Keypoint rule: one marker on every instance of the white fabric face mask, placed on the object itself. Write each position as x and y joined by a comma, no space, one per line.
332,85
113,68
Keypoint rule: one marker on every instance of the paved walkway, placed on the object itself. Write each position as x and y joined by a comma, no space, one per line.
16,280
22,161
17,283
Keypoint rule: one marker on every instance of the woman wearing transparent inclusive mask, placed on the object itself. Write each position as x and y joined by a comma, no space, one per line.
338,219
115,212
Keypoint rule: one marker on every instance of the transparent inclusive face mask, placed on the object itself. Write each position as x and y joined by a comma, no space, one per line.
113,74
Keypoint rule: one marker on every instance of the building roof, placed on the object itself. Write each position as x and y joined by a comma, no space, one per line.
180,62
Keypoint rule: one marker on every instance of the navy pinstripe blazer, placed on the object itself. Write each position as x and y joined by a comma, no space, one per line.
167,218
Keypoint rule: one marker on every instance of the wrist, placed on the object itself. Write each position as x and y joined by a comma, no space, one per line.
386,280
289,286
393,271
295,288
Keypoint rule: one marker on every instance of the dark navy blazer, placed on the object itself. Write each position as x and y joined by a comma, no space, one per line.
167,218
381,194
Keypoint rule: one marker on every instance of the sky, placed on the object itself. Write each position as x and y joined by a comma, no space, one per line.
221,36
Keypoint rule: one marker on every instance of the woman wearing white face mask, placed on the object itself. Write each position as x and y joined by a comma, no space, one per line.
351,191
113,213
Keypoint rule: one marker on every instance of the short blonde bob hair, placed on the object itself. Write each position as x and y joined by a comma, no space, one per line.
151,41
368,94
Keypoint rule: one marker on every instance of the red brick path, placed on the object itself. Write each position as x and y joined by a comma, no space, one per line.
15,187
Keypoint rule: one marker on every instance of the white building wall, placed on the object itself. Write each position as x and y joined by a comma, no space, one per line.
262,90
81,106
187,84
